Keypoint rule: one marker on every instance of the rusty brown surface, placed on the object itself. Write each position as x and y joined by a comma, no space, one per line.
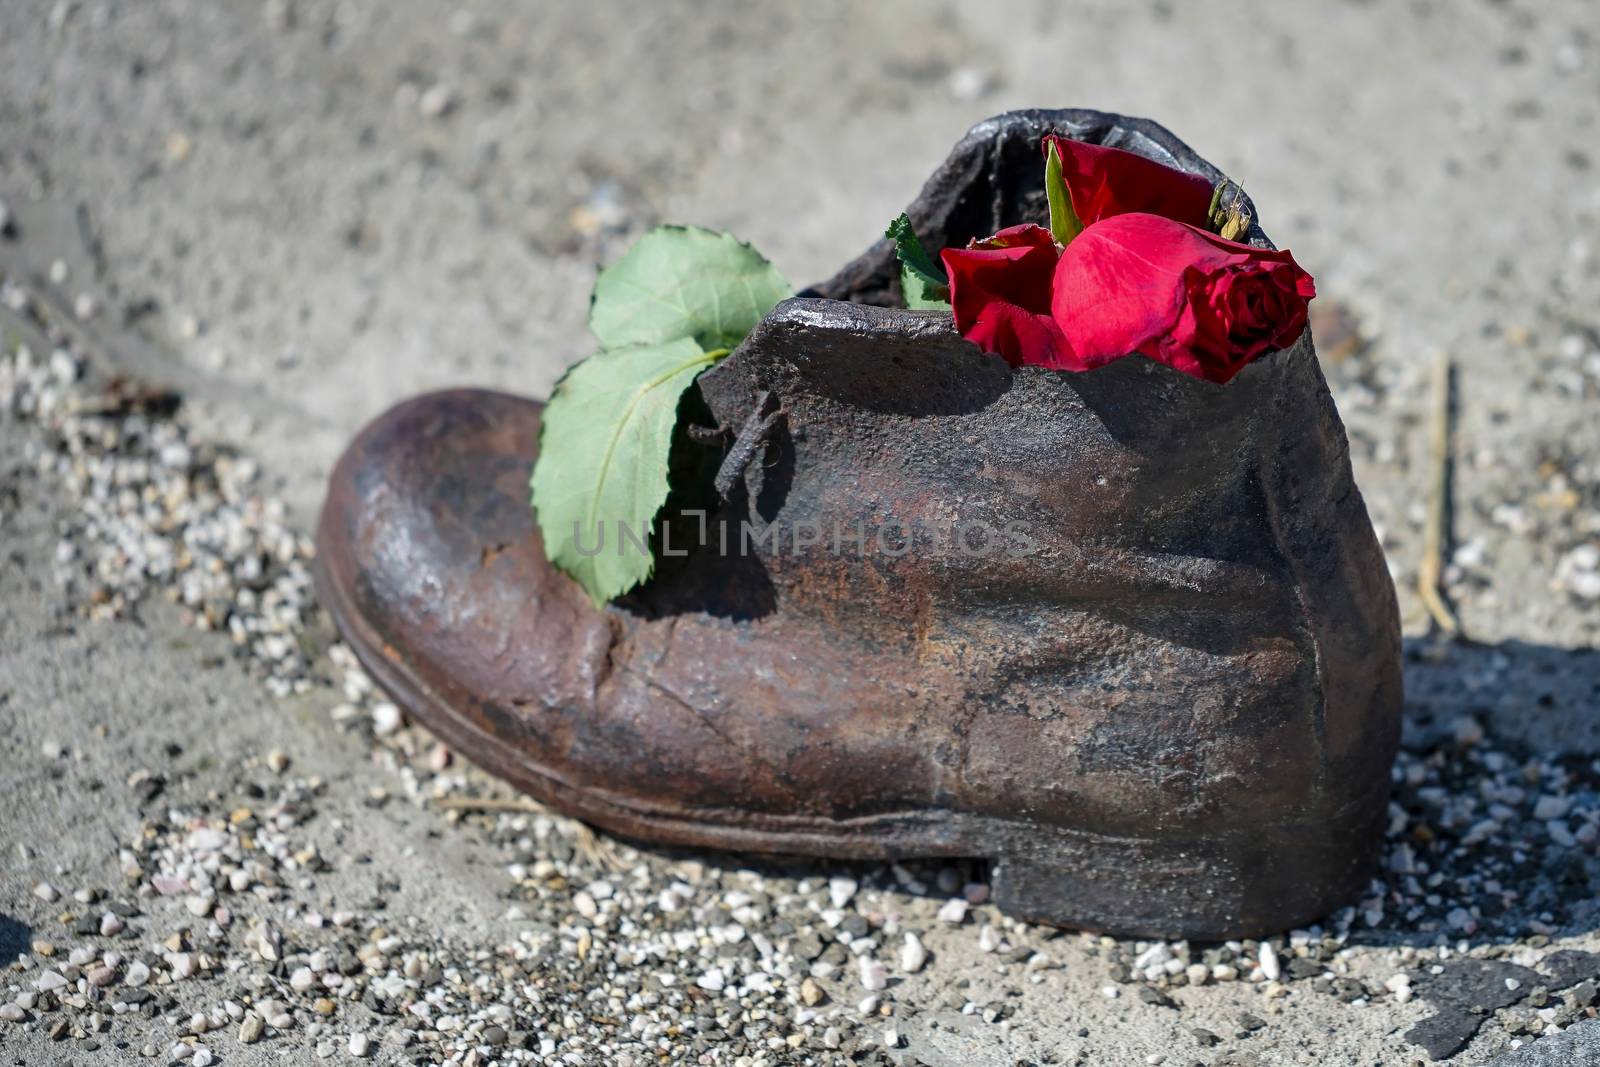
1174,714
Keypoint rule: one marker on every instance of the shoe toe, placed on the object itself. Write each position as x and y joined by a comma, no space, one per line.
430,560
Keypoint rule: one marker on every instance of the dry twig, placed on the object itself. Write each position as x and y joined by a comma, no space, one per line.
1430,573
469,804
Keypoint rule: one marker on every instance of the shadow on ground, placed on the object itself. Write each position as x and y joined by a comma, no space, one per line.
15,937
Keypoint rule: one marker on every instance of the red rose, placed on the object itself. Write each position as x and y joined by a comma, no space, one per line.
1177,293
1000,290
1103,182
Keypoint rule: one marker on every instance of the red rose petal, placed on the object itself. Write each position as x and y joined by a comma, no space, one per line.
1104,182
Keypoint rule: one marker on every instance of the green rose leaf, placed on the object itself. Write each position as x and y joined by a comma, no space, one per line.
683,281
921,279
601,476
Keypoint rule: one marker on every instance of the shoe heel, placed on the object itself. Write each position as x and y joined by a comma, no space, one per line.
1269,881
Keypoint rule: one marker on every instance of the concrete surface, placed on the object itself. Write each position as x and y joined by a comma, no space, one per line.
299,212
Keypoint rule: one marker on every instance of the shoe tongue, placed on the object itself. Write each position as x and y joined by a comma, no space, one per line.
994,178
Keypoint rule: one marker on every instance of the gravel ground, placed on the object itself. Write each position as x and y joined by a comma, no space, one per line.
232,232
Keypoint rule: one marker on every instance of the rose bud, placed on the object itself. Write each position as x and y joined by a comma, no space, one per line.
1178,294
1000,293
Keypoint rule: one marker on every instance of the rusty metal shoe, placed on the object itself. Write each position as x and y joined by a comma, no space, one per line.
1126,634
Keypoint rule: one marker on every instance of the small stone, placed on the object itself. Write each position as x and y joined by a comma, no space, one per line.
49,982
1468,731
206,839
585,905
182,964
359,1044
12,1013
810,993
841,890
874,975
954,911
831,1038
202,1057
713,980
276,1014
250,1029
912,954
1268,958
302,979
436,101
44,948
277,761
46,892
975,893
138,974
386,719
111,924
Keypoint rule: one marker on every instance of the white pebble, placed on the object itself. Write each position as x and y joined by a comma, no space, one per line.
841,890
1269,962
1551,808
110,924
359,1044
206,839
713,980
302,979
138,974
954,911
49,981
435,101
386,719
46,892
874,975
913,954
12,1013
